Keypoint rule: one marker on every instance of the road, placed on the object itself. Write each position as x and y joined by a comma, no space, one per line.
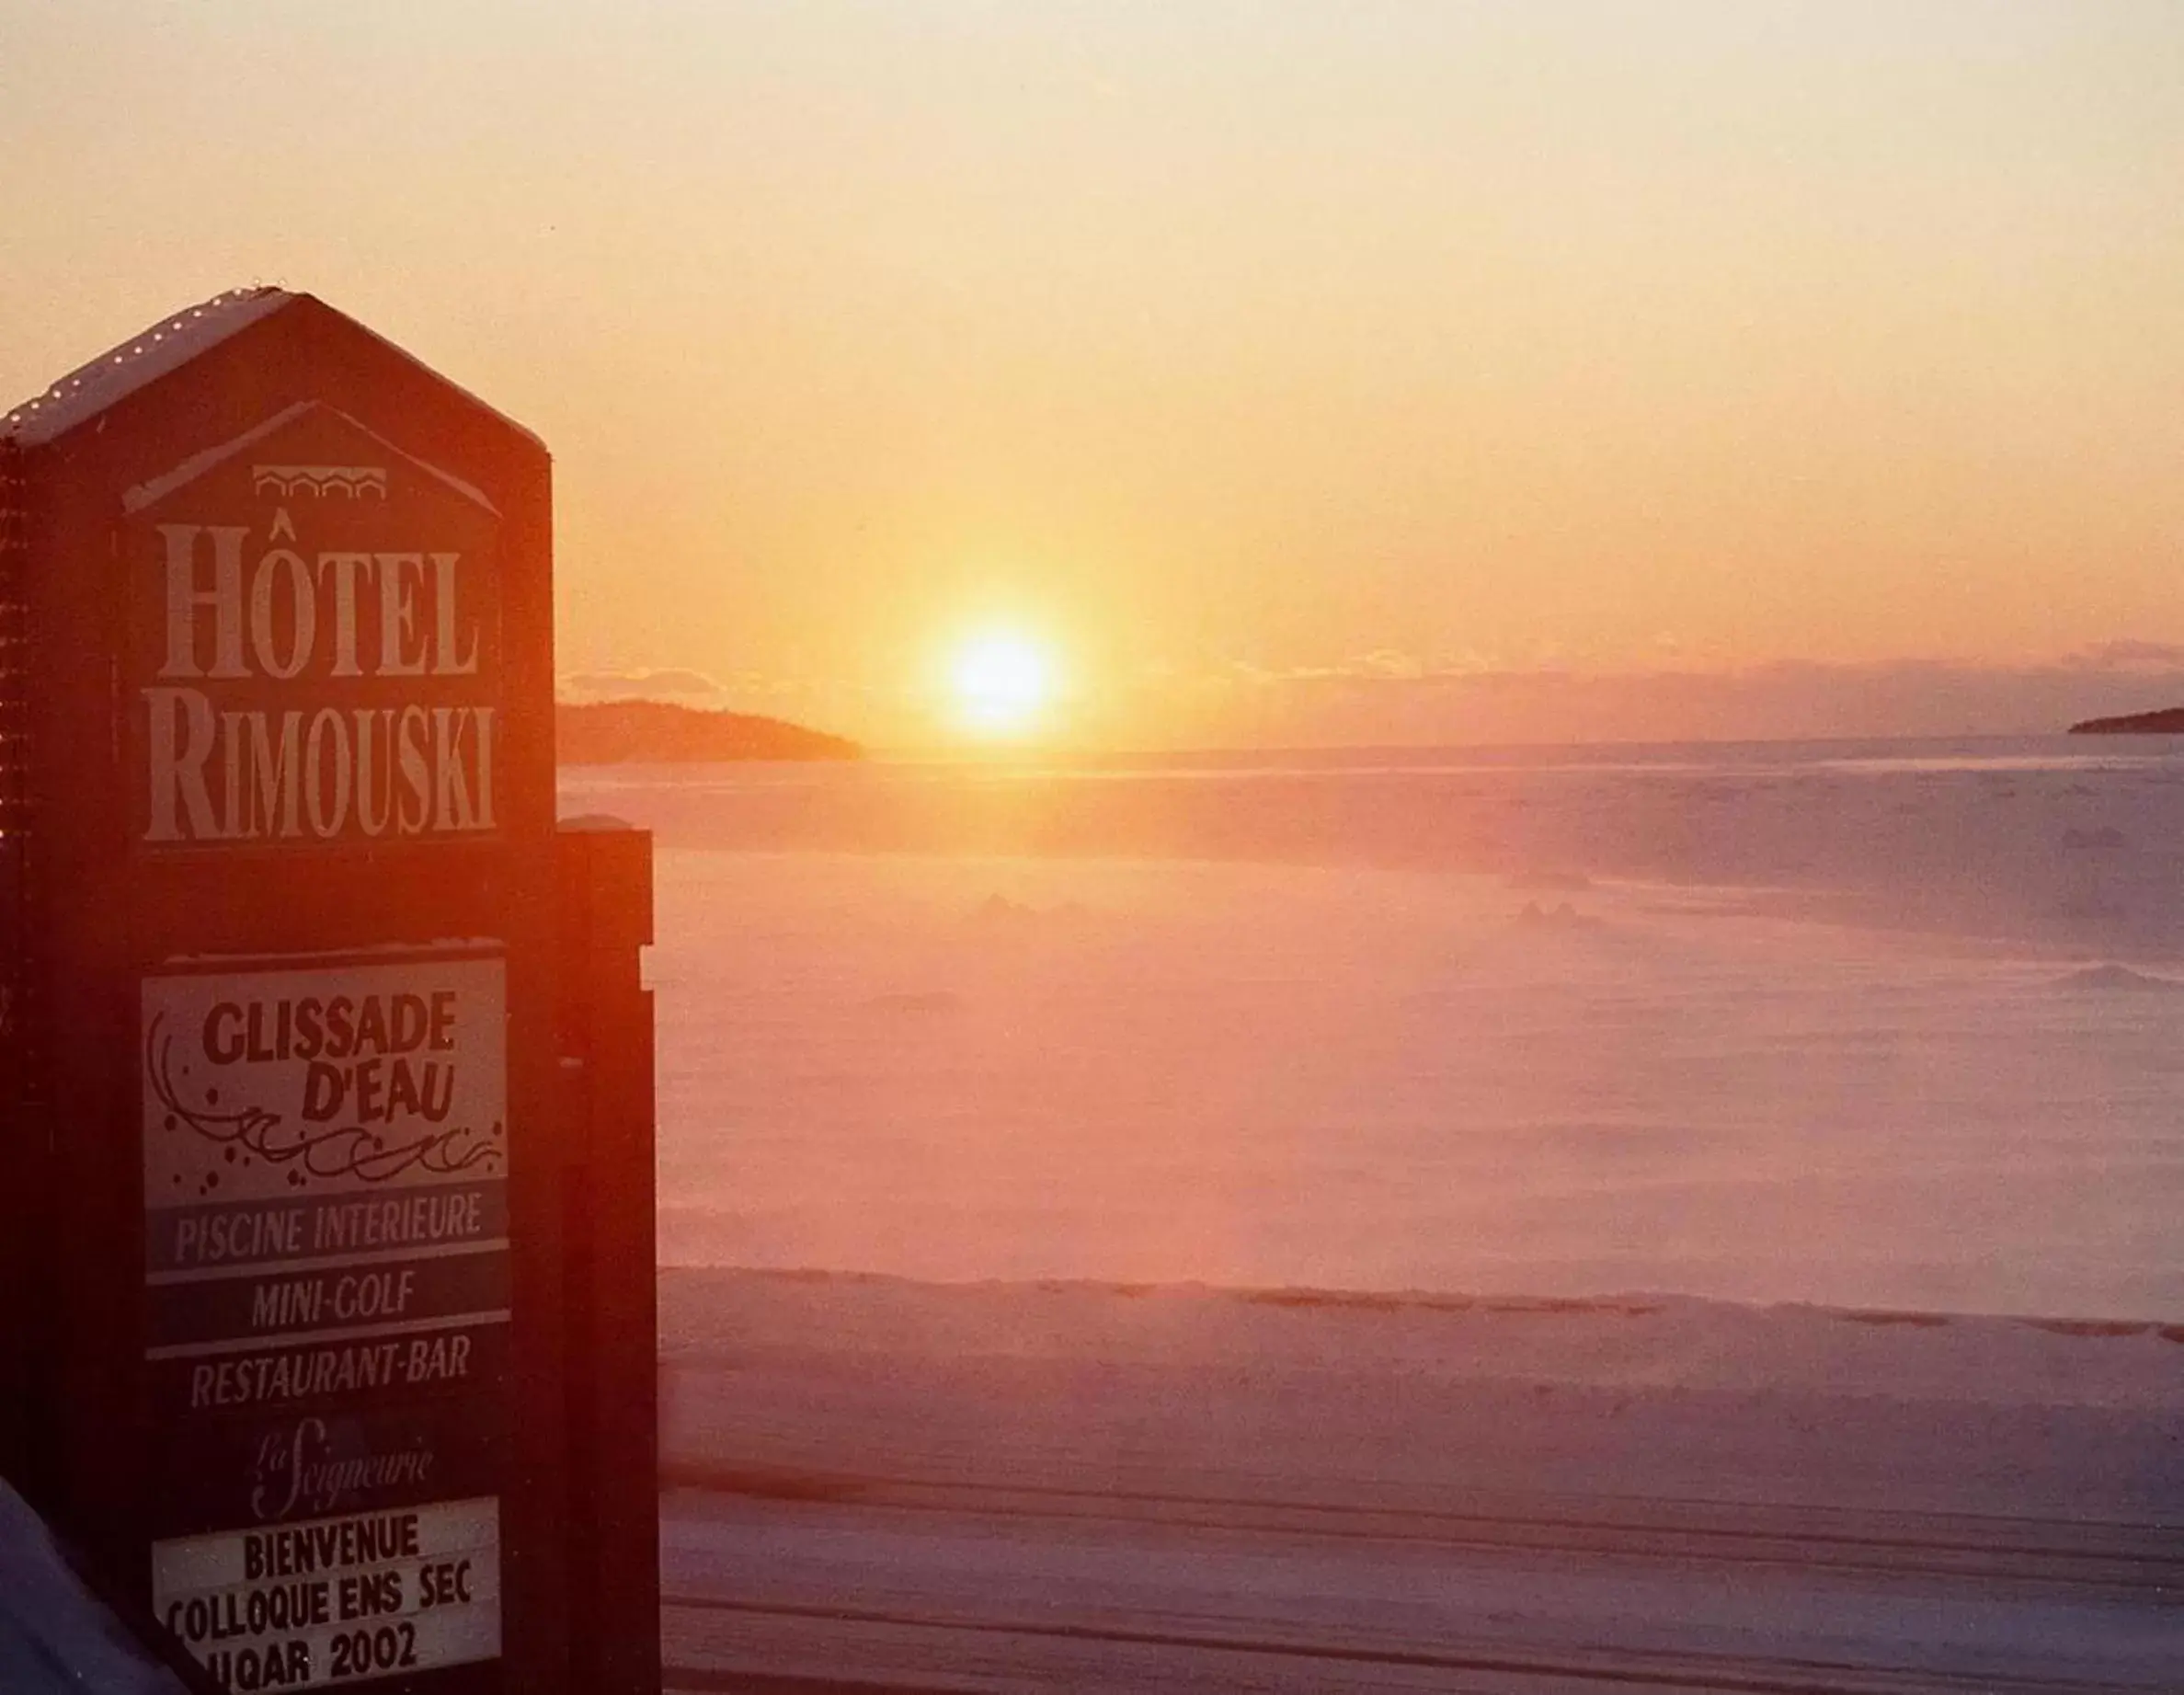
879,1485
787,1585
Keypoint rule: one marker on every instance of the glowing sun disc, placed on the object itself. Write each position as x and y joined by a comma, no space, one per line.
1001,683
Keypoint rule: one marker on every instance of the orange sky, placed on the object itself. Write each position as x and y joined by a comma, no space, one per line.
1287,367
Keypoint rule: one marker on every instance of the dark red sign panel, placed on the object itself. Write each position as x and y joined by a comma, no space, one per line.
285,1125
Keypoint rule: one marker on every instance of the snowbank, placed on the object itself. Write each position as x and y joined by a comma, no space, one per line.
822,1382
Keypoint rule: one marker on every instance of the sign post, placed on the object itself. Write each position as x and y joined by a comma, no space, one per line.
284,1123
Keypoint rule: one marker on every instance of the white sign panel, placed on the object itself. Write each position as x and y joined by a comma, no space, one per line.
326,1153
337,1600
360,1080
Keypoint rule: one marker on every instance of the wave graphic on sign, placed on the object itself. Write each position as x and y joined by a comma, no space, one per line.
342,1152
353,481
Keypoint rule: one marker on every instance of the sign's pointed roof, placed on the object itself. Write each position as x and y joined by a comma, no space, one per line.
167,346
127,366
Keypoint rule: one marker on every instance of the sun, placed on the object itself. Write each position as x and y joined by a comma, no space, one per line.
1001,683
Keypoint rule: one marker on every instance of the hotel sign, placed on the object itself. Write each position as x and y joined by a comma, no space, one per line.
330,1275
315,643
326,1153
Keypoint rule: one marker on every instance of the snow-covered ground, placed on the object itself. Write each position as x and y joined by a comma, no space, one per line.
1248,1075
1701,1220
1846,1029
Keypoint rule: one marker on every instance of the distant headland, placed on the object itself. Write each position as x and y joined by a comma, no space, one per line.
2169,721
650,732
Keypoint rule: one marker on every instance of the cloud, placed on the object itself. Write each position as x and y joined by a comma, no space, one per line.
1381,665
1375,700
2127,656
637,685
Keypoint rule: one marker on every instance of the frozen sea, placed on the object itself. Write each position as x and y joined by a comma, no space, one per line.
1888,1025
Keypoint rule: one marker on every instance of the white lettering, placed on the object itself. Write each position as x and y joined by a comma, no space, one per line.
303,630
327,816
484,715
398,614
184,598
219,769
444,663
272,794
346,569
452,809
178,771
369,793
231,776
414,772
